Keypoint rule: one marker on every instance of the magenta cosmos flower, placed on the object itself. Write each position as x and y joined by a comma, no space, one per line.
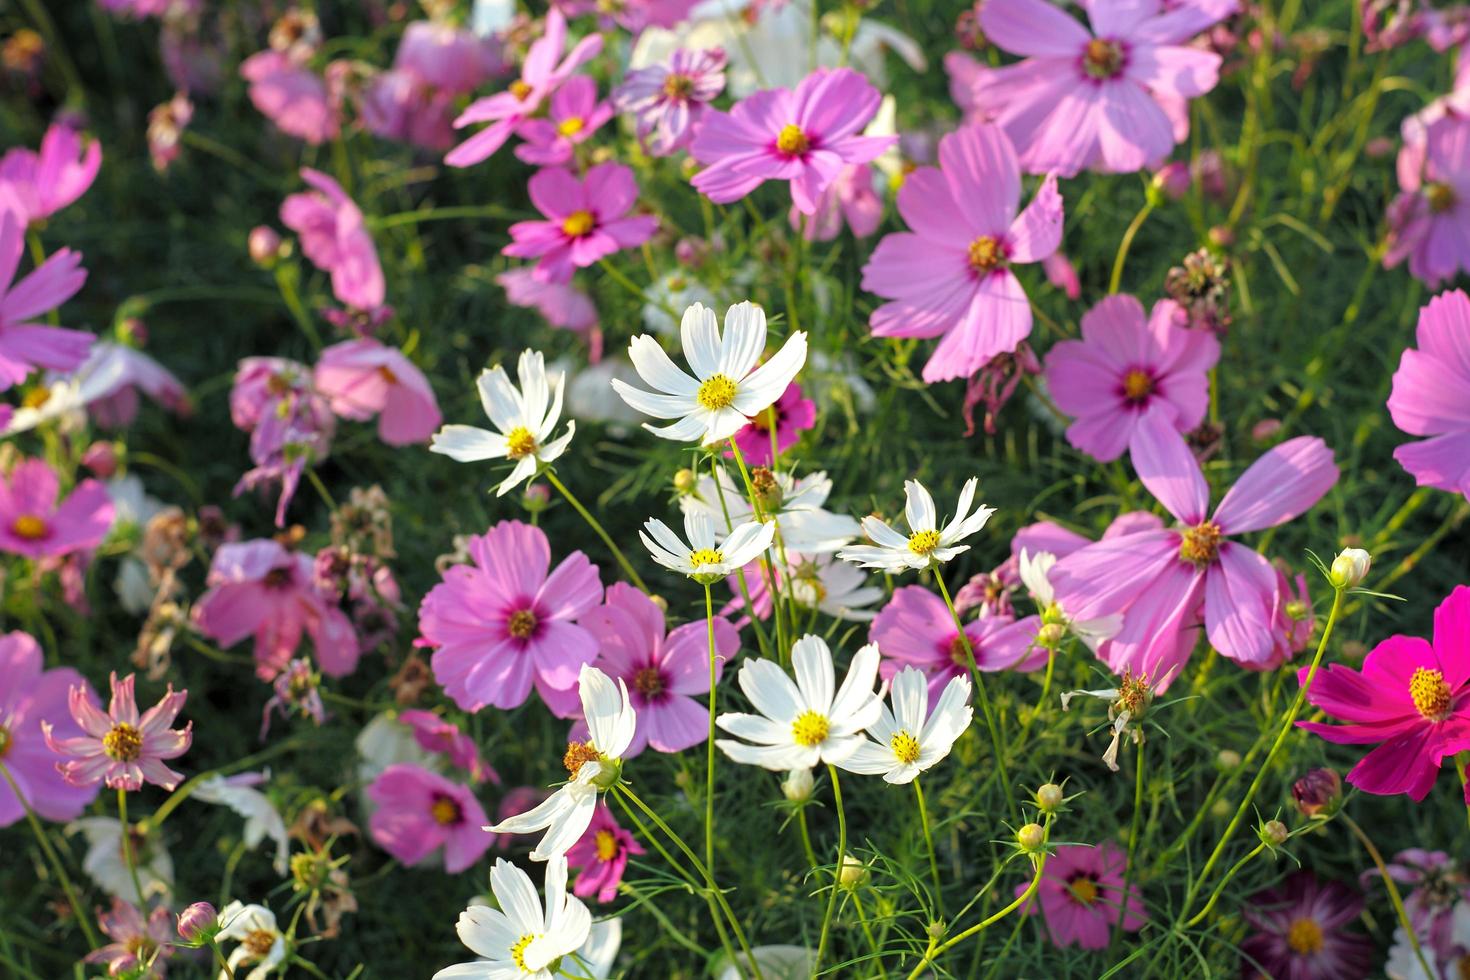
420,811
136,941
804,136
1411,700
1173,572
602,855
1429,222
915,629
434,734
1300,932
1081,895
573,116
951,274
508,620
794,413
542,73
25,345
261,589
122,748
663,672
1100,98
292,96
1430,397
668,100
335,238
29,696
1123,366
34,523
48,181
362,378
585,220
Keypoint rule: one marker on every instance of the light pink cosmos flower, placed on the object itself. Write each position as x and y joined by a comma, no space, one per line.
631,15
335,238
29,696
668,100
34,523
663,672
290,424
1062,274
121,748
396,105
804,136
585,220
573,117
1102,98
851,198
292,96
25,345
1429,222
794,414
1175,571
951,275
915,629
1429,396
261,589
45,182
508,620
562,304
1123,367
442,56
542,73
602,855
1081,895
136,941
113,374
362,378
419,811
435,734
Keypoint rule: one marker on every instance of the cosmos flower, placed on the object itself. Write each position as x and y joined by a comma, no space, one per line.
445,57
44,182
700,559
1081,895
817,581
138,944
442,737
926,543
36,524
910,739
1034,572
793,413
122,748
1428,396
30,696
573,116
419,811
262,819
335,238
290,425
1438,900
26,345
362,378
1300,931
1429,219
261,941
669,99
793,504
915,629
292,96
112,376
518,941
585,221
104,862
602,855
562,304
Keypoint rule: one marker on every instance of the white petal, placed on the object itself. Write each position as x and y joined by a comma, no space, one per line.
553,450
910,697
561,835
721,424
773,693
501,401
745,338
534,391
688,429
649,403
655,367
755,728
700,335
811,660
517,897
700,530
524,469
777,758
769,381
919,507
857,689
870,760
748,541
602,706
548,422
468,444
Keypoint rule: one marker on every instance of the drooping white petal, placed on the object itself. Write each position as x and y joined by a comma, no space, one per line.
919,507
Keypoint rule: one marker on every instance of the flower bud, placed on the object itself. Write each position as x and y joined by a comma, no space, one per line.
196,920
536,497
854,872
1274,833
1031,837
1051,635
1350,567
1173,180
685,481
264,244
797,786
660,601
1318,792
1220,809
101,459
1227,760
1049,797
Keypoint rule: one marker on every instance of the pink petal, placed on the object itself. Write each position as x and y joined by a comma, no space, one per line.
999,318
979,164
1282,484
1037,233
1032,27
1167,467
1240,594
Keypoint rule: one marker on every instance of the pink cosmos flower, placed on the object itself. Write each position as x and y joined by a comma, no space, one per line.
335,238
29,696
396,105
261,589
34,524
668,100
950,276
1123,366
419,811
542,73
1103,98
25,345
1062,274
290,424
1294,622
1081,895
915,629
1428,397
562,304
1300,932
434,734
1411,699
631,15
292,96
446,57
602,855
503,623
663,672
574,115
135,940
803,136
585,220
1175,571
48,181
1429,222
115,373
851,197
795,413
1437,883
362,378
120,748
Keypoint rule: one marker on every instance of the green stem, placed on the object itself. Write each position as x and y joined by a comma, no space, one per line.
1220,888
857,903
929,845
444,214
709,787
783,641
1393,890
1464,780
622,559
755,620
129,858
1138,219
53,858
1133,833
837,874
806,839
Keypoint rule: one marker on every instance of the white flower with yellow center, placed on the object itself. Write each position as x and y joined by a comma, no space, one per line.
796,505
804,723
520,939
727,389
524,418
701,558
262,945
1055,622
592,766
927,543
823,583
909,740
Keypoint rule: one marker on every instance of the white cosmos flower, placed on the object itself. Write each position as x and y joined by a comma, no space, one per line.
262,819
519,939
1403,962
909,740
104,862
593,765
833,587
804,723
927,542
1035,572
727,389
522,417
795,505
261,942
700,558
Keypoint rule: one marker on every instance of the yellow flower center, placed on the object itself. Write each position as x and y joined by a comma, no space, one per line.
985,254
607,845
1304,936
386,373
578,224
905,748
29,527
258,943
520,89
1083,889
1430,693
35,398
518,951
810,729
1441,197
649,682
1102,58
678,86
570,126
959,651
1200,545
520,442
522,624
706,556
4,742
123,744
923,542
791,140
579,754
716,392
1137,385
445,811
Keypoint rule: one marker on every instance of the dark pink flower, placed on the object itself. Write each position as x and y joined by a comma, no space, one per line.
24,344
574,115
434,734
669,99
136,942
122,748
915,629
1300,931
48,181
35,523
1081,895
586,220
602,855
30,696
420,811
335,238
362,378
292,96
1428,397
794,414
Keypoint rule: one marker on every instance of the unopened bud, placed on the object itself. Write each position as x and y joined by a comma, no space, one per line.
1274,833
196,920
1227,760
797,786
1049,797
101,459
853,873
1051,635
264,244
1031,837
536,498
1350,567
660,601
1318,792
685,480
1220,809
936,930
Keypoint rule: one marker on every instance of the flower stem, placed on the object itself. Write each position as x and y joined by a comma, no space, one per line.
783,641
1133,832
1464,780
837,874
622,560
129,858
53,858
1393,890
929,845
709,788
806,839
755,620
1116,278
1220,888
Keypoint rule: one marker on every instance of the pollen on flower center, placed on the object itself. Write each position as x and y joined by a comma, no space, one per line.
1137,386
258,942
678,86
518,951
607,845
520,442
29,527
4,742
579,754
715,392
36,397
985,254
1102,58
1431,694
1200,545
522,624
1304,936
1441,197
386,373
124,743
578,224
959,651
810,729
791,140
445,811
1083,888
570,126
520,89
706,556
905,747
277,578
923,542
649,682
